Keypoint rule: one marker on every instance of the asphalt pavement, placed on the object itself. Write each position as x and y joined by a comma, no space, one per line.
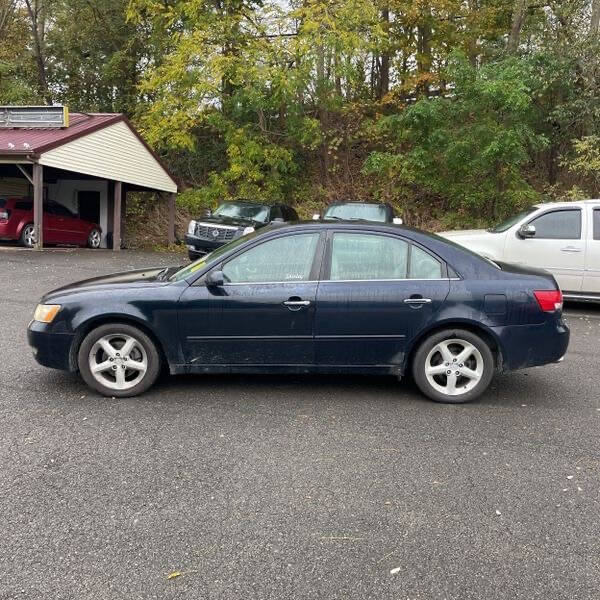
329,487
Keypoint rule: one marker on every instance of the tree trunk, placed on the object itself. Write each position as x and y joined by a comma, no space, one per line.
384,66
35,9
518,17
595,20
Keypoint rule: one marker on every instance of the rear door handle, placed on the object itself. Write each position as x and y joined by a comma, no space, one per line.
570,249
417,301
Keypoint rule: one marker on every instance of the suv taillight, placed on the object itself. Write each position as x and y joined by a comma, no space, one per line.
4,214
549,301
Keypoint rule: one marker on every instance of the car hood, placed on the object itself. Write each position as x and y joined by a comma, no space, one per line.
465,233
137,278
231,221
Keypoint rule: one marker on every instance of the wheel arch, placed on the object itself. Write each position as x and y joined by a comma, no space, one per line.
474,327
93,322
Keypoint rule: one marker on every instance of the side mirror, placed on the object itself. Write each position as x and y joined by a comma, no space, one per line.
397,221
527,231
316,217
215,279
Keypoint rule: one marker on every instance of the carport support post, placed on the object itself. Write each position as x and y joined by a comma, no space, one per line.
38,205
171,235
117,216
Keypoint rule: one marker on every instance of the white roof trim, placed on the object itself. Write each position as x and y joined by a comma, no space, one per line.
113,152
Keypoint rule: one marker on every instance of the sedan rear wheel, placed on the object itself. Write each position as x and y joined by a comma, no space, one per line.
453,366
118,360
94,239
28,236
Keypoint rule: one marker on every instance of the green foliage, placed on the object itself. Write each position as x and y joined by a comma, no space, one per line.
422,104
471,148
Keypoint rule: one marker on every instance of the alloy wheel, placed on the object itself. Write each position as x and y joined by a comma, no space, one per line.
454,367
94,239
118,361
29,236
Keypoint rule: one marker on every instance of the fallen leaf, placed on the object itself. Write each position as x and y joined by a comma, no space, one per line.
394,571
569,476
498,512
174,574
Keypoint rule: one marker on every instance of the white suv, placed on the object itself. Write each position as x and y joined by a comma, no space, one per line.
561,237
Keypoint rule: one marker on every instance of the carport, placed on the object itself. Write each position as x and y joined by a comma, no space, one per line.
88,162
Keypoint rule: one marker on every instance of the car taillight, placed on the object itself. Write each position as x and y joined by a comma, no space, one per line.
4,214
549,301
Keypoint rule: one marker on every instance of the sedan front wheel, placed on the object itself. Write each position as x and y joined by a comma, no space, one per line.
453,366
118,360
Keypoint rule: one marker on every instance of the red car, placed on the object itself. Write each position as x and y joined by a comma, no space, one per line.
61,226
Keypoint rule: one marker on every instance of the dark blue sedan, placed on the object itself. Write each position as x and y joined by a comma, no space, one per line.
324,297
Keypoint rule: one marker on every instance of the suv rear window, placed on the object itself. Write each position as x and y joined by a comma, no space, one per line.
597,223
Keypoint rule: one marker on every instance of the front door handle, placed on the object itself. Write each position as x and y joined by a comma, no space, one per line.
570,249
296,303
417,301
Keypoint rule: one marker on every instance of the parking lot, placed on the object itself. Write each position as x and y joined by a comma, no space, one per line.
291,486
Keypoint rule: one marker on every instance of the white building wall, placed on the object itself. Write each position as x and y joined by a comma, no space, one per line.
113,152
64,191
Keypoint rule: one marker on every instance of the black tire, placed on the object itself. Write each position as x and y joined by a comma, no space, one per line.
94,239
25,238
115,329
422,355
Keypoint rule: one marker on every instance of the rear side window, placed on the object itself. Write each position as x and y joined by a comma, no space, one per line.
359,256
423,265
2,202
558,225
23,205
597,223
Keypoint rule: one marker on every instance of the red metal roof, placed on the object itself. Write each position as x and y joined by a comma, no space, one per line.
33,140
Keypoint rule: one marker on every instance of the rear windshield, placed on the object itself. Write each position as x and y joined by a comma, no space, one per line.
351,212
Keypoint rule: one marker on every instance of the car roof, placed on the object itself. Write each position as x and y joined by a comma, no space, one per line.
566,204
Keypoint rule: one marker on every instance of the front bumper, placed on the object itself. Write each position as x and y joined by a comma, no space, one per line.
201,245
50,349
533,345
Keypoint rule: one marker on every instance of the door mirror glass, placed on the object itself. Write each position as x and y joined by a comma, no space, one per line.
527,231
397,221
215,279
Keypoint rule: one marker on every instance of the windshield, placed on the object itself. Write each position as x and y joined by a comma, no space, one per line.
352,212
208,258
502,227
243,210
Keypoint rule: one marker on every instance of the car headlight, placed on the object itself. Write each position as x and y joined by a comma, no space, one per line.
192,227
45,313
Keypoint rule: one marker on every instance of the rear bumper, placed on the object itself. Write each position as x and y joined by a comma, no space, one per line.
50,349
533,345
8,231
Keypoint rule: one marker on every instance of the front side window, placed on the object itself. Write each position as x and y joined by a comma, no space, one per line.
356,256
284,259
558,225
597,223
